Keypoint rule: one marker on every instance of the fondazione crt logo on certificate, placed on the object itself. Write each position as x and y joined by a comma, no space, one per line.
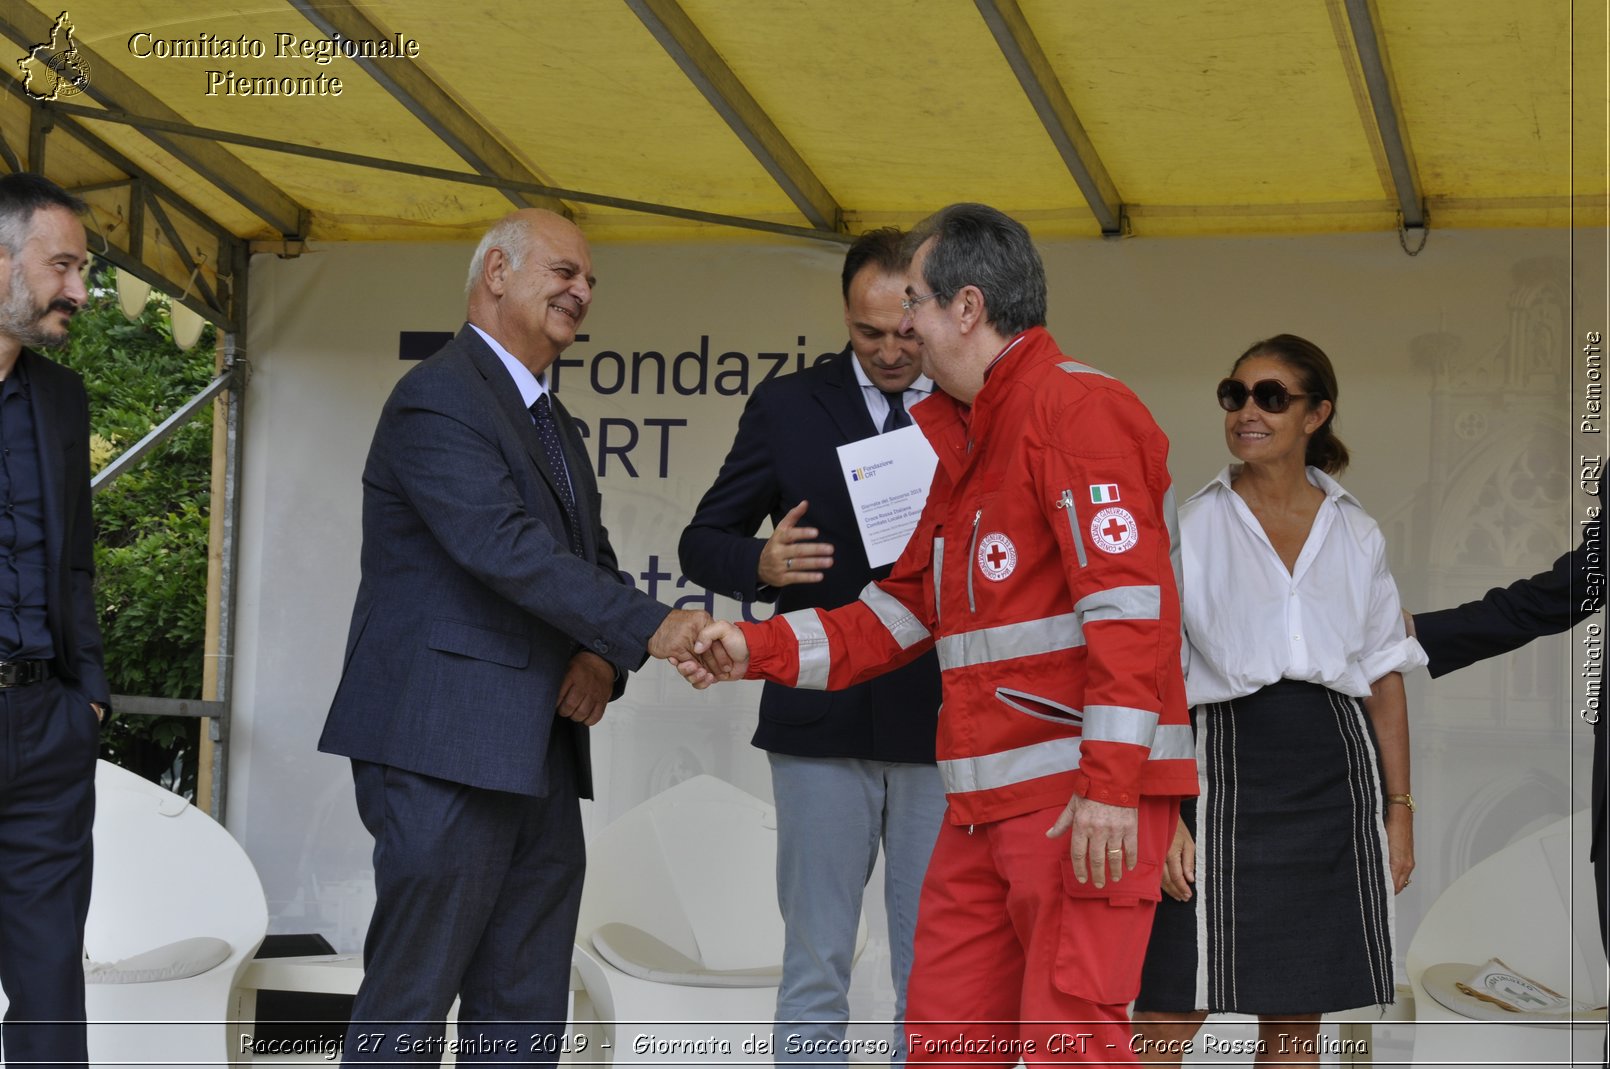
278,64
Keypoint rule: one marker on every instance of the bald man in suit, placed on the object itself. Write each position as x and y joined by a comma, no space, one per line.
491,628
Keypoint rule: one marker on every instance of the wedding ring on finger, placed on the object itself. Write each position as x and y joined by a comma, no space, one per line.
788,564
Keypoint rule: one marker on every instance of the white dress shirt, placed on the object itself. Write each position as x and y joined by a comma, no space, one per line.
877,402
1334,619
529,385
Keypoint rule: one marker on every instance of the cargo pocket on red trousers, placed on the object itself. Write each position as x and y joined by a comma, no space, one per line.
1104,931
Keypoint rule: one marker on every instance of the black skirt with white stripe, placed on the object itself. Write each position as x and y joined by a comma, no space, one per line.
1293,893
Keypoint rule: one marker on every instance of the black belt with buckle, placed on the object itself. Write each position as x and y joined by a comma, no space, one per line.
23,673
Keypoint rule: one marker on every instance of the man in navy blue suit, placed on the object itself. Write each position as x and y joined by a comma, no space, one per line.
852,768
490,630
53,688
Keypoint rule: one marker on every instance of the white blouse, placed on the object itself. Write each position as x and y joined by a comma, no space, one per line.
1334,619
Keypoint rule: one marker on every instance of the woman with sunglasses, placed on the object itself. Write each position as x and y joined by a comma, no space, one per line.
1281,875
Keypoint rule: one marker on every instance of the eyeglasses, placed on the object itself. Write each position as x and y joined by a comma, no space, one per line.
910,303
1270,395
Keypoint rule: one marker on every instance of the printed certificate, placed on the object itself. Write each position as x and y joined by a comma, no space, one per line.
888,477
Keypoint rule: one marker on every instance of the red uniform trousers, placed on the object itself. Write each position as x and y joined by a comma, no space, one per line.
1016,959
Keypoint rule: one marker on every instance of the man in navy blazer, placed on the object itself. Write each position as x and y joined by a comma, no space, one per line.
1507,618
491,628
53,689
849,768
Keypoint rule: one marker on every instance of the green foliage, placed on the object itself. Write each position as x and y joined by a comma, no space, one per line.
151,525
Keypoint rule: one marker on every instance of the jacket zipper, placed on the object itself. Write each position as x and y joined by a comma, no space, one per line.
972,554
1073,525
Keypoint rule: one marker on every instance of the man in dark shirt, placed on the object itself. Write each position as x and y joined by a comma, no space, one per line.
53,689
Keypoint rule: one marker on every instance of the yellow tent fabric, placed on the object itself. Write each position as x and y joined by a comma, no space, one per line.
1206,117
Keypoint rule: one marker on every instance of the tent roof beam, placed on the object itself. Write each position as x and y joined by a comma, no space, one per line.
432,105
1028,61
705,68
113,89
442,174
1378,81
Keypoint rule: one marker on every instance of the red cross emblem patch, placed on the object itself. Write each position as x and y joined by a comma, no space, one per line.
1114,531
997,557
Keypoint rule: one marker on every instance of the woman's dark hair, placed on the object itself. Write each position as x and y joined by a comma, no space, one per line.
1317,379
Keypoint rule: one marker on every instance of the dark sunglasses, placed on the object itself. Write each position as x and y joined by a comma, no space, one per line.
1270,395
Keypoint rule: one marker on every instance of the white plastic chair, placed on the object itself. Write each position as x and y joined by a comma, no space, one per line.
173,893
1532,905
165,873
679,940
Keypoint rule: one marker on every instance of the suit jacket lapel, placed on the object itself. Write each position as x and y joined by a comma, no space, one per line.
841,395
508,397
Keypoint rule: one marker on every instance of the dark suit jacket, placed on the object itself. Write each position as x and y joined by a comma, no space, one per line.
471,603
1507,618
61,420
784,454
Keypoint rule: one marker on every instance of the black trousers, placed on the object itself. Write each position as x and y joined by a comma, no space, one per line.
49,737
476,896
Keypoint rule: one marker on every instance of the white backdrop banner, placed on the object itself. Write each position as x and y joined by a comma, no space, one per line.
1460,374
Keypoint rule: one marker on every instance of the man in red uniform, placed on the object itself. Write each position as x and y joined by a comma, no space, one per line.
1043,572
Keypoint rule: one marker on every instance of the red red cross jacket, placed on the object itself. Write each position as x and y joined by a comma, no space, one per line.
1044,569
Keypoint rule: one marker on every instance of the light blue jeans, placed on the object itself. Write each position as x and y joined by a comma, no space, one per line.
832,812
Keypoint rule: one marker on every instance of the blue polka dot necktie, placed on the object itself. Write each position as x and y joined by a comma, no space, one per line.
548,435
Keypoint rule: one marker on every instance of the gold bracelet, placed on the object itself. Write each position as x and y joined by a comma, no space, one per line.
1401,799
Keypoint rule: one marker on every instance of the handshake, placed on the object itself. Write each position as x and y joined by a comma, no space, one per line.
705,650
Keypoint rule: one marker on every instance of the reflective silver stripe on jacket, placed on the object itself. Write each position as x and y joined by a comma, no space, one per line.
938,572
1120,603
902,624
991,771
1003,643
964,774
1173,742
1062,632
814,657
1073,367
1118,723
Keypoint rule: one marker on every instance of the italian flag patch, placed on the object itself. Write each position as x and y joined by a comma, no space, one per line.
1103,494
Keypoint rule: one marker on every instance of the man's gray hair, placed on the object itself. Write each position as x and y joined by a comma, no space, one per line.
976,245
23,194
512,234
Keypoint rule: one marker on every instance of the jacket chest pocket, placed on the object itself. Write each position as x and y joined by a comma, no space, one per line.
992,551
1070,508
